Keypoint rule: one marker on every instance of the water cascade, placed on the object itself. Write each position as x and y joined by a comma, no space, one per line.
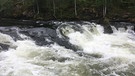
37,51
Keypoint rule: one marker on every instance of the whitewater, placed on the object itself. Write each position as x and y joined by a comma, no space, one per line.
97,54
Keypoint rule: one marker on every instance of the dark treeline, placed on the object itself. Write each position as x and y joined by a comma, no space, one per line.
68,9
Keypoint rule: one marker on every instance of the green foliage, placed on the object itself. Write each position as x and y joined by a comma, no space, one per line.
2,2
28,3
5,4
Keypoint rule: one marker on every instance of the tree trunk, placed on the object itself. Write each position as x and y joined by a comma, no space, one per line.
75,6
104,8
54,9
37,7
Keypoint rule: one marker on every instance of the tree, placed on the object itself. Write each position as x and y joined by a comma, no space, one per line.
54,9
104,8
37,7
75,6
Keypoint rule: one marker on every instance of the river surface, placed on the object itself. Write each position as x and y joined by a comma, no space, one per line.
69,49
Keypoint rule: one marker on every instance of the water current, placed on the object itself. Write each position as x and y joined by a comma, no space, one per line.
43,51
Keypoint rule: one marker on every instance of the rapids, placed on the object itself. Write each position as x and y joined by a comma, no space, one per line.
73,49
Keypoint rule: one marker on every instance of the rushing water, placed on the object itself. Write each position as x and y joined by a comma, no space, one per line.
34,52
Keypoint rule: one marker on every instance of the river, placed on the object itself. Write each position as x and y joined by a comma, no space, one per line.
68,49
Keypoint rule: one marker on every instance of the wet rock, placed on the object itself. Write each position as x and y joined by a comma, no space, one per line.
107,29
4,46
63,59
46,36
80,53
12,31
106,24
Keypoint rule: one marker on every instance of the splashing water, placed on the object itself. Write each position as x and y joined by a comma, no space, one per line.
100,55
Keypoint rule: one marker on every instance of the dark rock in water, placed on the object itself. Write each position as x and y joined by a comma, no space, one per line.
134,29
108,29
42,36
12,31
4,46
80,53
123,25
106,24
46,36
65,43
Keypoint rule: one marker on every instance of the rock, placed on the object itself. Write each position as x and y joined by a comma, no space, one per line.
106,24
4,46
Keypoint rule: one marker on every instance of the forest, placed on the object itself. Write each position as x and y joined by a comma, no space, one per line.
117,10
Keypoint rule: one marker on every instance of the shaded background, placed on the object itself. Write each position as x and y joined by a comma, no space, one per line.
68,9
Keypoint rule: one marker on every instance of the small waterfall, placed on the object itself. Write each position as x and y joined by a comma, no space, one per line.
79,35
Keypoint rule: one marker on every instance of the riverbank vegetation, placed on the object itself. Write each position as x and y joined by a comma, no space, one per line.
116,10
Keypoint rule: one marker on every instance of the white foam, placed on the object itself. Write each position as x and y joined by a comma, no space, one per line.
6,39
116,55
105,44
29,59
